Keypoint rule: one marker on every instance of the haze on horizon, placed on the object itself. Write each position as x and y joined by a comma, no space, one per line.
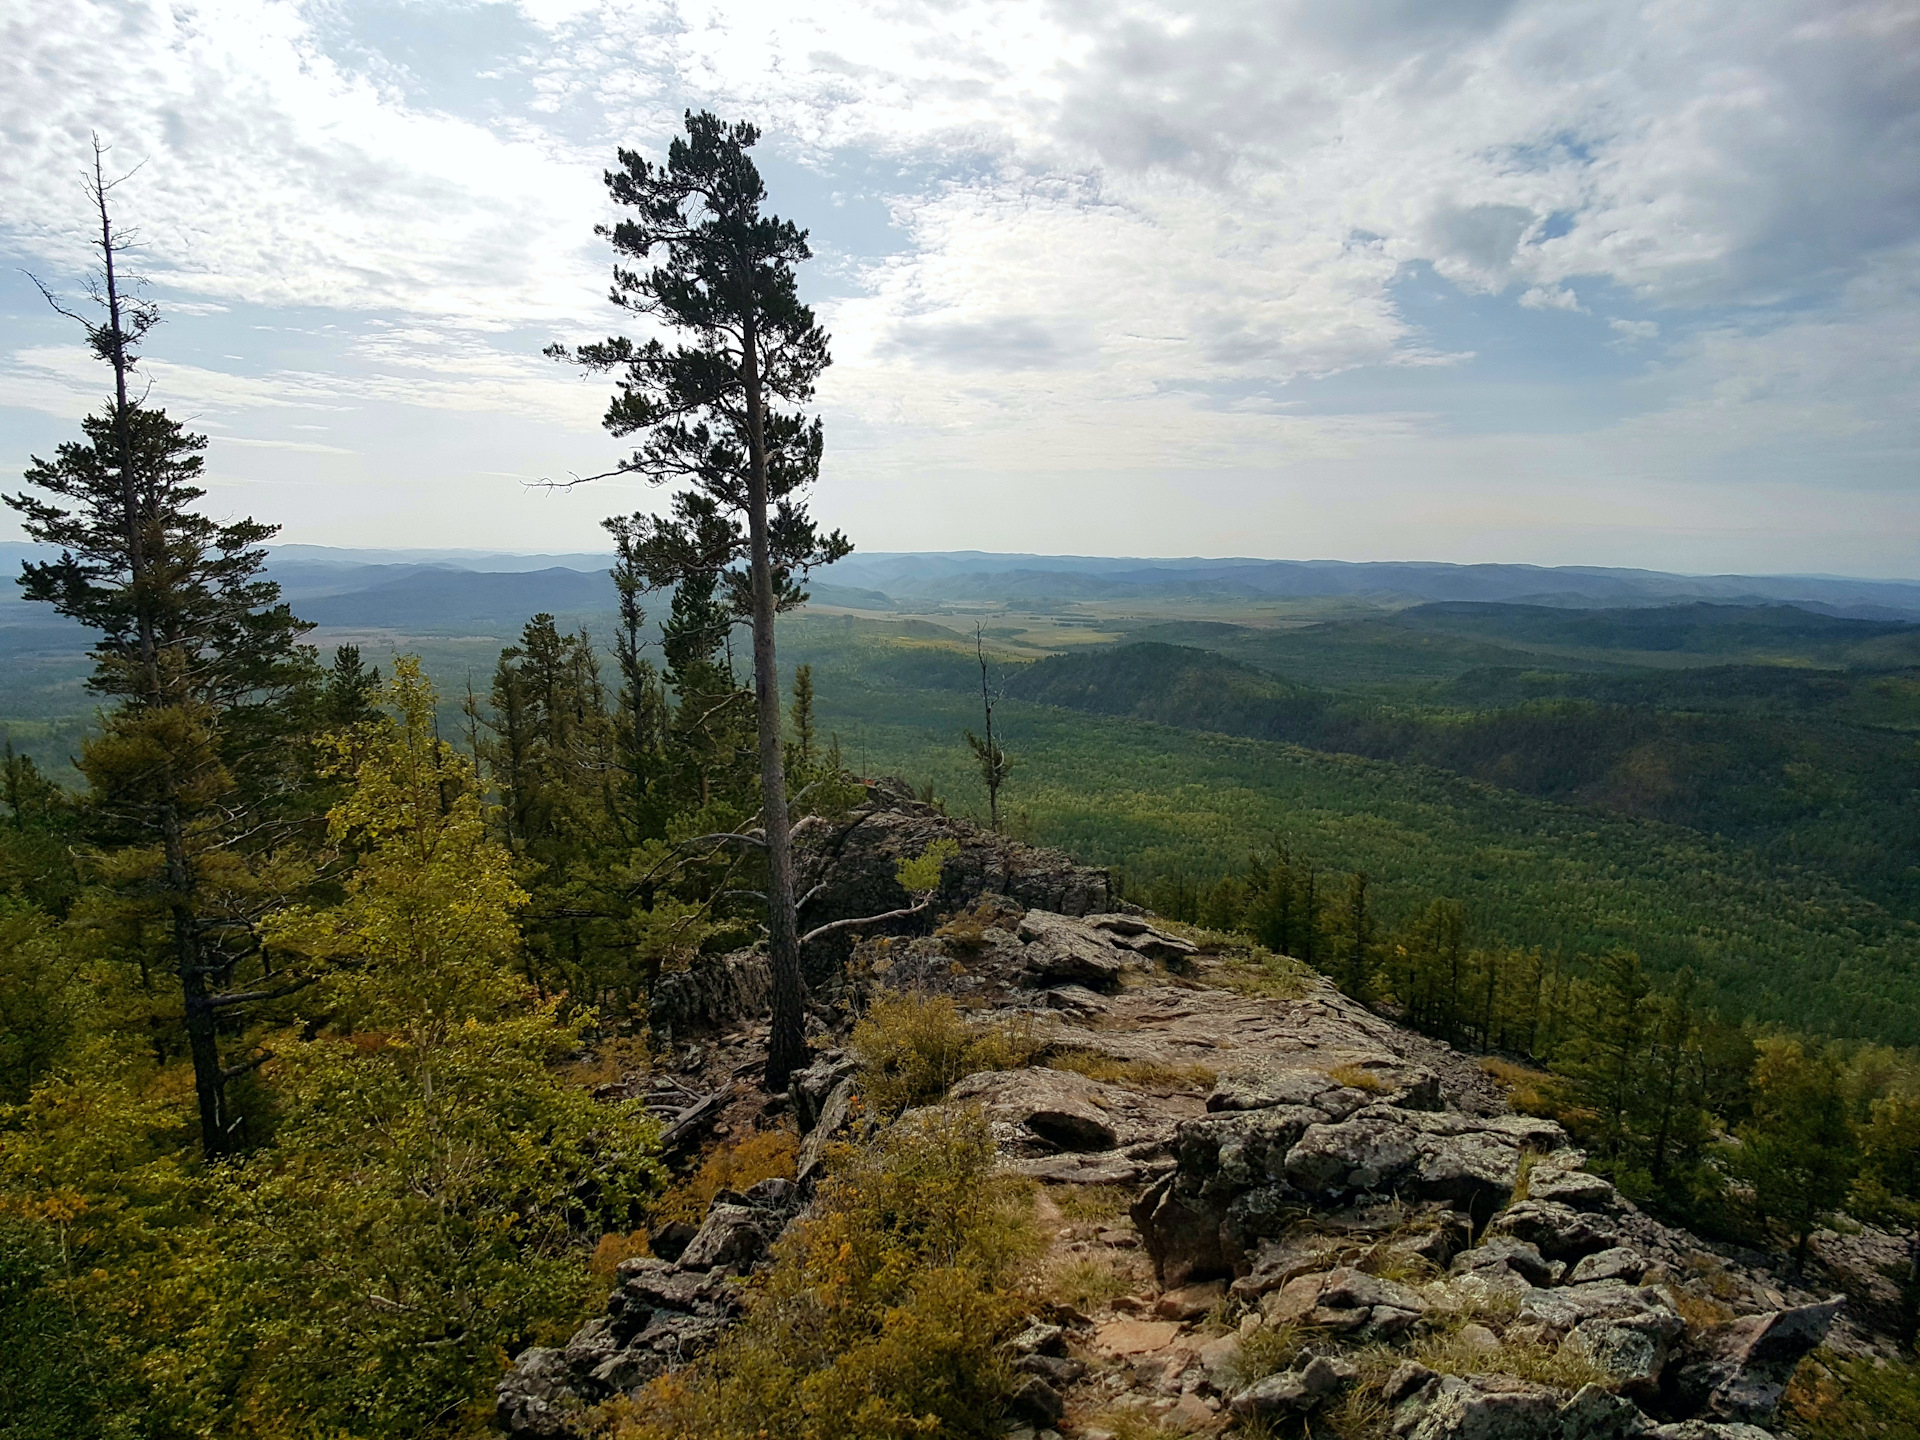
1550,283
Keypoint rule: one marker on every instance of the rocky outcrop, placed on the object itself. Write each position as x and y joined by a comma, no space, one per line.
662,1314
1740,1371
849,870
714,992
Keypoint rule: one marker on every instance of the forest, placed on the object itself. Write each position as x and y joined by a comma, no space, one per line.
321,976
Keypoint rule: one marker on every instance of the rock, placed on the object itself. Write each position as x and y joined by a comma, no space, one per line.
1564,1183
1039,1338
1294,1302
732,1235
1478,1337
1055,1369
1559,1311
710,995
1635,1348
1449,1235
1595,1413
1485,1407
1470,1160
1558,1231
670,1241
1278,1261
1057,1107
1504,1253
1348,1288
1158,945
1407,1380
1708,1430
809,1088
1217,1355
1059,949
1190,1302
1743,1367
534,1401
1135,1337
1293,1391
1035,1398
1621,1262
835,1111
1101,1168
1076,999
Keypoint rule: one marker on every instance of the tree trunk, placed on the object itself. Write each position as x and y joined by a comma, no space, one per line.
787,1039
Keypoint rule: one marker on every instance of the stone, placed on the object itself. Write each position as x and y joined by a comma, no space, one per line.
1568,1185
1595,1413
1190,1302
533,1401
1058,949
1744,1366
1558,1231
1478,1337
1635,1348
1135,1337
1189,1414
1076,1000
1347,1288
808,1089
1294,1302
1562,1309
1217,1355
1277,1262
1708,1430
1485,1407
1620,1262
1039,1338
1035,1398
1055,1369
835,1111
732,1235
1058,1107
1517,1256
670,1241
1292,1391
1408,1379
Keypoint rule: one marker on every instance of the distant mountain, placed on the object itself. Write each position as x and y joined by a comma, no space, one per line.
434,599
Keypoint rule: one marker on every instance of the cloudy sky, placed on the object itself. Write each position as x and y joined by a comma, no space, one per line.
1562,282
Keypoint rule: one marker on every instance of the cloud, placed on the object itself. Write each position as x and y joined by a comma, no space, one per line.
1559,297
1629,329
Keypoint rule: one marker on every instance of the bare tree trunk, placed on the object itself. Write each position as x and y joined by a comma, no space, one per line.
986,703
787,1039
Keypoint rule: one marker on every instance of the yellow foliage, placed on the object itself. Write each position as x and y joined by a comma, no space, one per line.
884,1311
912,1047
764,1155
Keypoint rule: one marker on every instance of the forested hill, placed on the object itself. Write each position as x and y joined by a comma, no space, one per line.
1803,785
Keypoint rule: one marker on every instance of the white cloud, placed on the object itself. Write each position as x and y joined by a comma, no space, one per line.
1555,297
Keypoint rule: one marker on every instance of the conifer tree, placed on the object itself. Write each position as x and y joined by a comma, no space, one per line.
192,642
719,413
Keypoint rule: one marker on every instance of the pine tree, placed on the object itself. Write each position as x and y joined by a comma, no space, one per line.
192,642
723,282
1798,1153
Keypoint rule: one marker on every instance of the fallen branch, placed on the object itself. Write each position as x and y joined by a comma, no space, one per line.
831,926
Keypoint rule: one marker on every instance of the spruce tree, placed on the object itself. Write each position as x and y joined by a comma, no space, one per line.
719,413
191,641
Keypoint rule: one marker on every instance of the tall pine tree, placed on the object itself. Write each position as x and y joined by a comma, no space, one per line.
719,412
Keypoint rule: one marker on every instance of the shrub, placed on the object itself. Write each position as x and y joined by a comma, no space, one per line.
763,1155
884,1311
912,1047
1831,1399
1354,1077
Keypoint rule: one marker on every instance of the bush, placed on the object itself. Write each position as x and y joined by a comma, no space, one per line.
884,1312
764,1155
913,1047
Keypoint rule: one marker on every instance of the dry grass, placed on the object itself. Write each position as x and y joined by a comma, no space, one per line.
1531,1092
1089,1202
1086,1282
1259,973
612,1249
1523,1177
1541,1364
1701,1312
1127,1424
1138,1074
912,1047
1356,1078
1267,1351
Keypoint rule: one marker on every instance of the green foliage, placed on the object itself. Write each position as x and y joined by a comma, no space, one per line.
913,1047
1798,1155
1832,1399
921,874
883,1315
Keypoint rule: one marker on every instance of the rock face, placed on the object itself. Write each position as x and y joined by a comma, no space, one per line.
662,1314
1741,1371
853,866
711,994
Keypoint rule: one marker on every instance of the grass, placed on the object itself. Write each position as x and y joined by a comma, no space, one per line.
913,1047
1263,975
1267,1351
1139,1074
1086,1282
1355,1078
1093,1203
1448,1354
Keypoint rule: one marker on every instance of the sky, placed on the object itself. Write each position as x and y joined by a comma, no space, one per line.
1476,280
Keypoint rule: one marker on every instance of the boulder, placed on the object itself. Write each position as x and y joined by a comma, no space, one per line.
1634,1347
1037,1400
1562,1181
1278,1261
1060,950
1293,1392
731,1236
535,1400
835,1112
1504,1253
1559,1231
1620,1262
1739,1371
1061,1110
1483,1407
